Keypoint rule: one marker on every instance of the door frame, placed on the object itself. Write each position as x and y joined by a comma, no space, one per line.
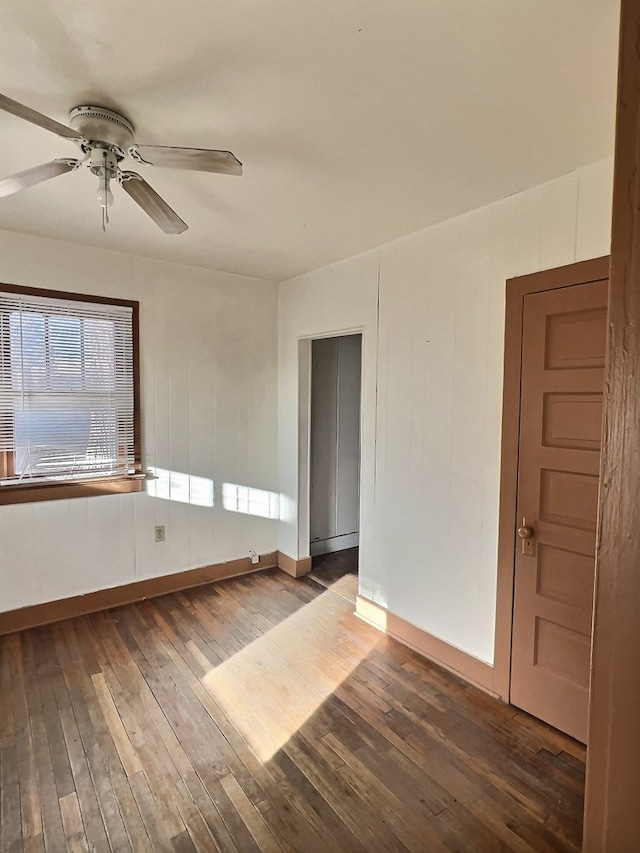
304,433
582,272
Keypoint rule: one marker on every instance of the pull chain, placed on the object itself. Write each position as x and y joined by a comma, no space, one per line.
105,208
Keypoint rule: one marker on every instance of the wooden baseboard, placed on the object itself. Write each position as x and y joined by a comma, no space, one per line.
295,568
336,543
91,602
472,669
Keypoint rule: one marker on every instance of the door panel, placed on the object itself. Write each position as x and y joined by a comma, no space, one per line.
560,413
576,339
564,576
563,352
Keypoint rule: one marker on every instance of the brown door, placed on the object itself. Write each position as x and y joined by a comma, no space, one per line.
563,352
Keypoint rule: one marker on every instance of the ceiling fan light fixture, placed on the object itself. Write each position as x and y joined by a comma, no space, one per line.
104,164
104,196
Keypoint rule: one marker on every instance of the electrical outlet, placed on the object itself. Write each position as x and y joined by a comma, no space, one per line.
254,557
160,533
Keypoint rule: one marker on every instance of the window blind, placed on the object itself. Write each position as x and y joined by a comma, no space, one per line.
66,389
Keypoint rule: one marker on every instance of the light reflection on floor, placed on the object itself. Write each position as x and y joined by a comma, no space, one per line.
275,684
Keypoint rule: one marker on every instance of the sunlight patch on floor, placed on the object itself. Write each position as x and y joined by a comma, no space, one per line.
276,683
346,586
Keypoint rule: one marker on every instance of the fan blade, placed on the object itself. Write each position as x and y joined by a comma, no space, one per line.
17,109
36,175
152,204
196,159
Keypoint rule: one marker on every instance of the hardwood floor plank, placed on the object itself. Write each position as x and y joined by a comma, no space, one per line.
28,781
151,754
406,781
49,678
35,844
413,833
11,823
230,748
126,752
318,812
52,828
85,791
197,822
554,740
251,817
13,677
353,811
258,714
107,770
186,717
8,692
566,772
458,826
543,840
183,843
152,817
578,763
73,825
88,762
288,825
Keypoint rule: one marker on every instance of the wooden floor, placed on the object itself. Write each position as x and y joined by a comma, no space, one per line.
260,714
338,572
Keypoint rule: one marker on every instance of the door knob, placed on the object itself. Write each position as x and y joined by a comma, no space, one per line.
526,534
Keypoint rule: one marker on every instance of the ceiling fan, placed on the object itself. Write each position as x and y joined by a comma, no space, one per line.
106,138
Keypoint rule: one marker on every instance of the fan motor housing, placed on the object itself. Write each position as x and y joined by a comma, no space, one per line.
98,124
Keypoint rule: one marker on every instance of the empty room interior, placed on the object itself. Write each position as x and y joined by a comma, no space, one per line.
313,533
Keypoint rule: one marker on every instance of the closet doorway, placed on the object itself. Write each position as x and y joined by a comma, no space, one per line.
334,460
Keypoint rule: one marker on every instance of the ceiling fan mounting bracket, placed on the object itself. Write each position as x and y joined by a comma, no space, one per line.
102,128
104,159
70,161
137,156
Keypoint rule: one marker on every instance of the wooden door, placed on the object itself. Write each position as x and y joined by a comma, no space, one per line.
563,354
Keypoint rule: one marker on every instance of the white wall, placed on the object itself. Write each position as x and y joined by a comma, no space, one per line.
336,367
208,363
432,310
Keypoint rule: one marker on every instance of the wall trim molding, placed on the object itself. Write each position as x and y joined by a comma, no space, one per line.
460,663
92,602
293,567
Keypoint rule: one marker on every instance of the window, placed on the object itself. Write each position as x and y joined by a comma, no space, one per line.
69,420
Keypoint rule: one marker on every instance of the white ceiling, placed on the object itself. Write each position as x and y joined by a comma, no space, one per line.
358,121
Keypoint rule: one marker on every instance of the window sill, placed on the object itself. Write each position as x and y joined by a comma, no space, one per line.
64,491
